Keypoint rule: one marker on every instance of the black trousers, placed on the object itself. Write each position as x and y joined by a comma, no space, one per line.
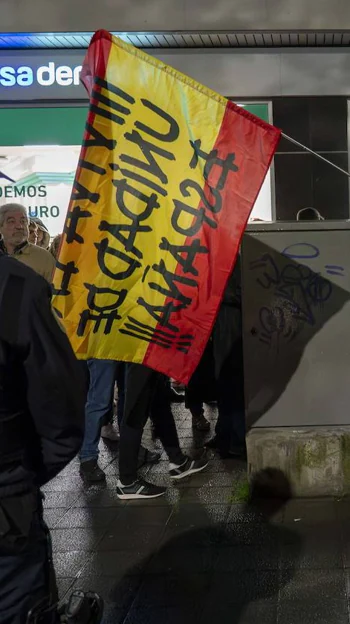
201,386
146,395
26,571
230,426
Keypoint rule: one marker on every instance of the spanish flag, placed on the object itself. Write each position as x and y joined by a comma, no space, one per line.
168,174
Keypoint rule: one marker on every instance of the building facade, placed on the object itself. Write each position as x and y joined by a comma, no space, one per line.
286,62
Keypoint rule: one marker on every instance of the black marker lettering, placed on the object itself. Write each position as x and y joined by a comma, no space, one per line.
103,250
70,227
81,193
147,149
98,139
185,255
173,131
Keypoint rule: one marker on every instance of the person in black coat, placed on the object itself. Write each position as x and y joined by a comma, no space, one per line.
221,368
41,429
228,370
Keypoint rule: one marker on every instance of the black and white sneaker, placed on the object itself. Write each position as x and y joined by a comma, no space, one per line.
189,467
139,489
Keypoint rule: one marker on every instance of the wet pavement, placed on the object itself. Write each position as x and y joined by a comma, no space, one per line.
200,554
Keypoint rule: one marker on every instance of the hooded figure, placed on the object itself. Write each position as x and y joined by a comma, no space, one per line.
43,234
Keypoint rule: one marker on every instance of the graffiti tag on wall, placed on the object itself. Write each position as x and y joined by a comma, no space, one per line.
296,292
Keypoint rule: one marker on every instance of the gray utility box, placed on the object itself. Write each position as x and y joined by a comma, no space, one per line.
296,324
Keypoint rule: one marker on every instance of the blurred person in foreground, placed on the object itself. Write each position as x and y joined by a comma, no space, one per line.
43,234
14,229
41,424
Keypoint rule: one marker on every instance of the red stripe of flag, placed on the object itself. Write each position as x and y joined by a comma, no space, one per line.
240,132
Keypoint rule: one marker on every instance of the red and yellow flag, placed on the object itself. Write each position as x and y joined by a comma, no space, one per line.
168,174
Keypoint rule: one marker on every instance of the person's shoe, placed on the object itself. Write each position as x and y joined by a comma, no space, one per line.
147,457
200,423
108,432
213,443
189,467
91,472
239,451
140,489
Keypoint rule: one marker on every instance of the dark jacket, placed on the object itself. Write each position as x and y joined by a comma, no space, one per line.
227,332
41,390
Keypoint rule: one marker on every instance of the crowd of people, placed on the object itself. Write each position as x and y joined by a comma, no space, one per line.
142,393
53,407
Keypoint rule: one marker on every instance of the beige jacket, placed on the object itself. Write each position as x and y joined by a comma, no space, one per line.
38,259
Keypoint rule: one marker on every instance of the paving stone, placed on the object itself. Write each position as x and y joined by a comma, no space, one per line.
322,611
98,496
116,563
162,615
54,500
182,560
168,590
144,516
193,515
85,517
53,516
311,547
196,554
66,540
120,593
311,585
244,586
70,563
207,495
244,557
241,613
306,511
128,538
64,585
65,484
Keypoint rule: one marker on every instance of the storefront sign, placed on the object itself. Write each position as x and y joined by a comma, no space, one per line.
47,202
41,75
45,75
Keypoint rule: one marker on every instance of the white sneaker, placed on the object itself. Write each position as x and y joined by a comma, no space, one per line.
109,433
189,467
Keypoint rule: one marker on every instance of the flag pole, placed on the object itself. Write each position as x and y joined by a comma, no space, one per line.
307,149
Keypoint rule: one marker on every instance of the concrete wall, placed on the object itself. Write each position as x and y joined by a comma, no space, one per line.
240,74
139,15
296,304
266,73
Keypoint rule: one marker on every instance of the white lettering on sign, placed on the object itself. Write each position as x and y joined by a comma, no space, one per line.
45,76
